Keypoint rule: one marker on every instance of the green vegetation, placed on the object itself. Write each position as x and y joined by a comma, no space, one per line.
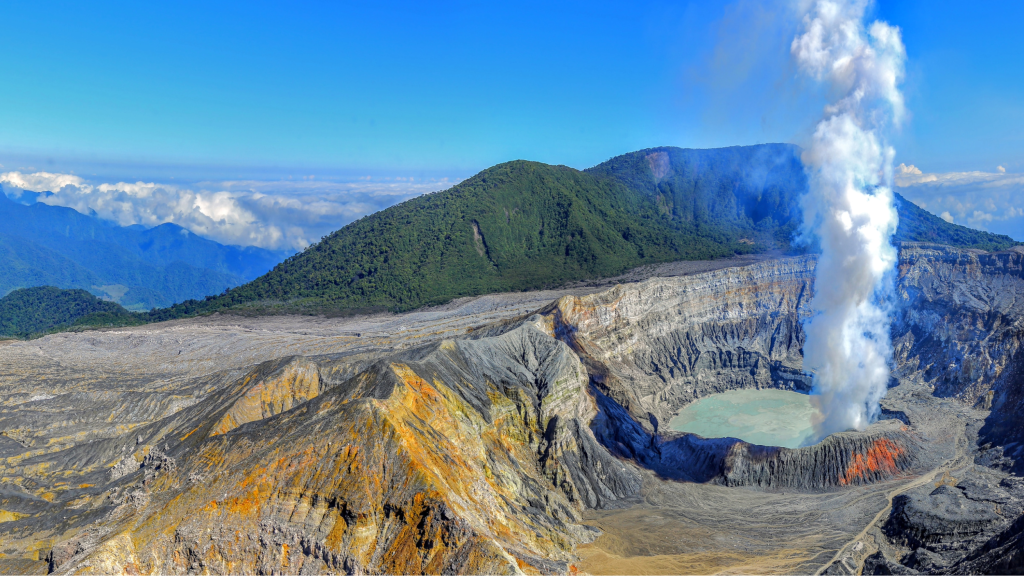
917,225
516,226
35,311
748,190
525,226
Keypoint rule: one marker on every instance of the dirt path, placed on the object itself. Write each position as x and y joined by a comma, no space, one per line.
858,557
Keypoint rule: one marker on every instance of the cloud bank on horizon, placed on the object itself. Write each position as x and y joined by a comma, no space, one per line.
277,215
990,201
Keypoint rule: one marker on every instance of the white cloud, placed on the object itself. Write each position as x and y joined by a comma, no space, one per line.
269,214
976,199
1001,169
40,181
903,169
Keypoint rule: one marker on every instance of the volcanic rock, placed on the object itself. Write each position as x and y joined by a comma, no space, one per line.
492,434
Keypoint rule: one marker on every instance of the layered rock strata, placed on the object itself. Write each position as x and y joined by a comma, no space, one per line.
957,336
462,456
655,346
959,329
476,443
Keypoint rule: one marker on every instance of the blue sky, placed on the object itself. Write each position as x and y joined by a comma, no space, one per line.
374,86
200,92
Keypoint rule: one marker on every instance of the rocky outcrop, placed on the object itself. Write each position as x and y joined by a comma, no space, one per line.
943,514
657,345
877,563
288,386
970,526
887,450
462,456
958,329
957,333
481,446
1001,554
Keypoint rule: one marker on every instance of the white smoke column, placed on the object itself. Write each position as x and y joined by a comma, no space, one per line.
850,209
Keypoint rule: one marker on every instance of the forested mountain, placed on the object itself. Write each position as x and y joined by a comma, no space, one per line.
526,225
744,189
515,226
31,311
138,267
918,225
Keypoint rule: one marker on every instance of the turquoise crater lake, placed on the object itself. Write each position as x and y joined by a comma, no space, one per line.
765,417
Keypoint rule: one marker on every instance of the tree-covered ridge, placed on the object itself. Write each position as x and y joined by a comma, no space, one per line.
33,311
749,190
516,226
526,225
759,188
917,225
739,185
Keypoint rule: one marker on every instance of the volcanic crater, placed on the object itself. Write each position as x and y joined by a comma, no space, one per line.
519,433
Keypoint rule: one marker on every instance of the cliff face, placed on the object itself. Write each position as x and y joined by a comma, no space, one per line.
657,345
476,439
958,323
957,337
959,330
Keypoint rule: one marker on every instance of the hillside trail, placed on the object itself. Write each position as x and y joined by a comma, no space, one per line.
858,556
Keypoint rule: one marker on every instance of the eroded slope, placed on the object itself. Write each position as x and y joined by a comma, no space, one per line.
484,437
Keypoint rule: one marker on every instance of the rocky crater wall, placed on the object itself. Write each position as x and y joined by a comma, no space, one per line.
958,329
652,347
481,452
657,345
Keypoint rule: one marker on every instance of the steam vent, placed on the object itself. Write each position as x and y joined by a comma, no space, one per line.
539,432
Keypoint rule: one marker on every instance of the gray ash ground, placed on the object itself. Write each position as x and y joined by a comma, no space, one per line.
933,487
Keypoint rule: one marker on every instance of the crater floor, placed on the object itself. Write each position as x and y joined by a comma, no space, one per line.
522,433
689,528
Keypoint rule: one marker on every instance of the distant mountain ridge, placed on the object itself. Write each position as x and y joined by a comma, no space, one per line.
757,188
138,267
526,225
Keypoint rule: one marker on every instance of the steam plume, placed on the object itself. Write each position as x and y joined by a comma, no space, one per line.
849,208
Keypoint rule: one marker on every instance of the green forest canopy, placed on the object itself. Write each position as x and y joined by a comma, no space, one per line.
527,225
34,311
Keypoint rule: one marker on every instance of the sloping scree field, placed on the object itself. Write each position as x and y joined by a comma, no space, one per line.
520,433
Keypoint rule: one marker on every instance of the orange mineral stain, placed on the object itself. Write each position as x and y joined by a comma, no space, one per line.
881,457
